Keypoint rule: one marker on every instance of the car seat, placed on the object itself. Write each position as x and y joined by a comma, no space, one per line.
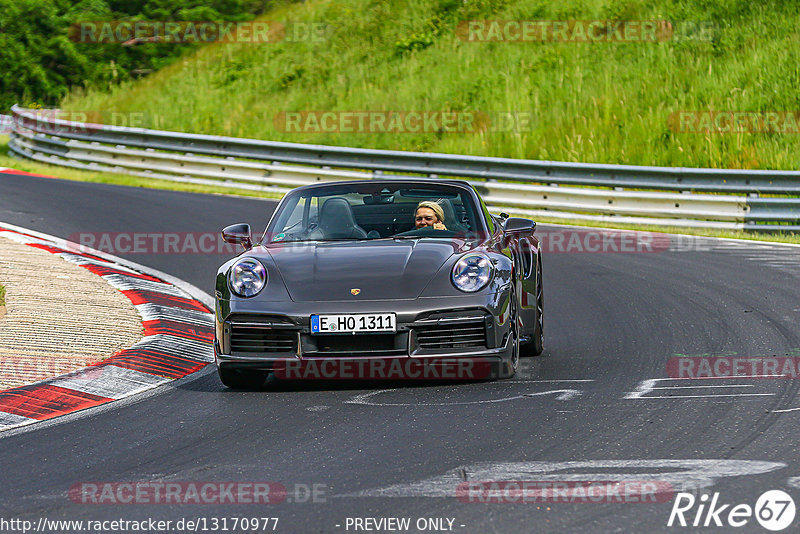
336,221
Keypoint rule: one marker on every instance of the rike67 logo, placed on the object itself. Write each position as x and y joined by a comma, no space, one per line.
774,510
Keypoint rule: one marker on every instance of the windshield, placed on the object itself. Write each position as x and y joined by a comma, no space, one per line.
373,210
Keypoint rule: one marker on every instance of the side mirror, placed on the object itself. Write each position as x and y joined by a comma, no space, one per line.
238,234
517,225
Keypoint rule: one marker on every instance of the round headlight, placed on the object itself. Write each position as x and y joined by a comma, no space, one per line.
472,272
247,277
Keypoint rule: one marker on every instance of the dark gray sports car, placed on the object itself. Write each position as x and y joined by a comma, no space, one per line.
394,278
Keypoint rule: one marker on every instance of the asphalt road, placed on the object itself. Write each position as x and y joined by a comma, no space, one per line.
598,405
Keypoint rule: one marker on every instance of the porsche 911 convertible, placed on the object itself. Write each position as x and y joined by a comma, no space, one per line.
392,278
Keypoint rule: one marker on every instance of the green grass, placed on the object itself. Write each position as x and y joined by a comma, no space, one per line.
590,102
2,295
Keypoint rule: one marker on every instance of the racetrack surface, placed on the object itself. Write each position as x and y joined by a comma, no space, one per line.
584,411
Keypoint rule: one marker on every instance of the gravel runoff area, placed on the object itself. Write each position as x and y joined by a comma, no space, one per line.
59,316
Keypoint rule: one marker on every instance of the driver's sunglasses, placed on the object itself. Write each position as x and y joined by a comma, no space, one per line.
424,218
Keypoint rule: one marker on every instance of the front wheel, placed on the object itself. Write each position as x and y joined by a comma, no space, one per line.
237,379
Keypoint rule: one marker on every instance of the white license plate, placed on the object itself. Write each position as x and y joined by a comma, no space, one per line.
350,323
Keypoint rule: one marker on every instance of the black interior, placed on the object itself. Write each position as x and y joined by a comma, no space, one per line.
391,219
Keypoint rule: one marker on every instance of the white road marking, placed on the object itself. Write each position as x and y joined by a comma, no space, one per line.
649,385
709,396
516,380
109,381
679,475
10,420
152,312
703,387
644,387
83,260
548,381
130,283
564,394
794,482
24,239
778,256
366,398
177,346
787,410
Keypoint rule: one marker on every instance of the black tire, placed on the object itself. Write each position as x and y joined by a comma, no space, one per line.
237,379
535,345
508,371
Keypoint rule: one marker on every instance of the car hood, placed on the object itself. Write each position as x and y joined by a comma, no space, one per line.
379,270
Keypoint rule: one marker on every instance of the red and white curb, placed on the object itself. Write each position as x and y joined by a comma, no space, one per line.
178,339
6,170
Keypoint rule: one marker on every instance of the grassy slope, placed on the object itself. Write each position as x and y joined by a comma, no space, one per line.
592,102
2,295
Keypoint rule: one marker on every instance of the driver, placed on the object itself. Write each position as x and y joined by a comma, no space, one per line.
429,213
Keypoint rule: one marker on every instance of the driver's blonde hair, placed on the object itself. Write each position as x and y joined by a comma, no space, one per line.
435,206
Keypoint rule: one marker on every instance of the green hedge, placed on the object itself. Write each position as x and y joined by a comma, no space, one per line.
39,63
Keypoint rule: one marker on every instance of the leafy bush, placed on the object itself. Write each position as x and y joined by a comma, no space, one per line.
40,64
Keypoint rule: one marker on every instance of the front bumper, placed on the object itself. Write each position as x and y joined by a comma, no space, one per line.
428,337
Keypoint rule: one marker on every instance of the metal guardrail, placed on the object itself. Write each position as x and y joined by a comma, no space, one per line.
5,124
620,193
